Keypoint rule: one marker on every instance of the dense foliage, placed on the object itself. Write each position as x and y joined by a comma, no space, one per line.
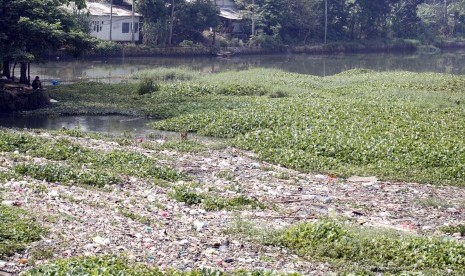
396,125
362,250
17,229
68,163
304,20
30,29
169,22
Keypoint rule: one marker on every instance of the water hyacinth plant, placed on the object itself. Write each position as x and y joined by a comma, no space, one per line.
395,125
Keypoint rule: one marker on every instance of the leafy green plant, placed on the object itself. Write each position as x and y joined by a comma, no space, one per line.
189,146
111,265
108,48
183,194
452,229
147,86
17,229
135,217
41,254
395,125
373,250
235,203
62,174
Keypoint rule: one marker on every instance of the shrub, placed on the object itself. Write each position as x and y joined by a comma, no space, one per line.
108,48
188,43
147,86
368,249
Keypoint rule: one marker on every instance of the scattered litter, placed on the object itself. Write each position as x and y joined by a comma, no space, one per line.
101,241
199,225
145,223
364,179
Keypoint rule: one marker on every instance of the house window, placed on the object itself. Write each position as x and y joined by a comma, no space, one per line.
97,26
125,28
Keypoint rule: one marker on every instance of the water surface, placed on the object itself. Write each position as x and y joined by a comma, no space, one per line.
118,69
117,125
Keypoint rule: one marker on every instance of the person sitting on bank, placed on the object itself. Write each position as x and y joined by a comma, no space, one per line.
36,84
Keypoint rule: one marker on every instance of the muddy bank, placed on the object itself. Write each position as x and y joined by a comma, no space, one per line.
20,99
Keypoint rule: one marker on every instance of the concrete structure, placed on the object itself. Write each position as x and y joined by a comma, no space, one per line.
121,22
230,17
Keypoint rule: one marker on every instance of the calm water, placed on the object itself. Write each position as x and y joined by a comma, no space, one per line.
116,125
118,69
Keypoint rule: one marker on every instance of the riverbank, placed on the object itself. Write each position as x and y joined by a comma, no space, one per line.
132,50
212,207
19,97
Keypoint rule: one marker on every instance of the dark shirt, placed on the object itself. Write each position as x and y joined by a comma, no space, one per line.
36,84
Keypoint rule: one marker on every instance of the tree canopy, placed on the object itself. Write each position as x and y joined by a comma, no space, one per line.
303,21
169,22
29,29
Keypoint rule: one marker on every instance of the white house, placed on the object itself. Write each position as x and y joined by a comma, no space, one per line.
113,23
230,17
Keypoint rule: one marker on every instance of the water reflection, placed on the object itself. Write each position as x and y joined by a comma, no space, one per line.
117,69
116,125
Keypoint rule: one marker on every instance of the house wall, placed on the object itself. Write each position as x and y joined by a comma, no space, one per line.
225,3
100,27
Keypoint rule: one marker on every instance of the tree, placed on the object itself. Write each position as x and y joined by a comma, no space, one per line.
194,17
157,20
32,28
405,13
172,21
304,21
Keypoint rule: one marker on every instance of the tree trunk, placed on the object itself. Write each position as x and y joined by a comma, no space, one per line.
13,71
6,69
28,74
23,73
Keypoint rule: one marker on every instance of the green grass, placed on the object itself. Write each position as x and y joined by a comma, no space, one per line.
17,230
359,250
70,163
395,125
353,248
185,146
183,193
108,265
452,229
135,217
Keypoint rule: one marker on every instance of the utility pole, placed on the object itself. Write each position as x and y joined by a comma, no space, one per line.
253,17
446,21
214,28
111,17
132,24
326,19
171,23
